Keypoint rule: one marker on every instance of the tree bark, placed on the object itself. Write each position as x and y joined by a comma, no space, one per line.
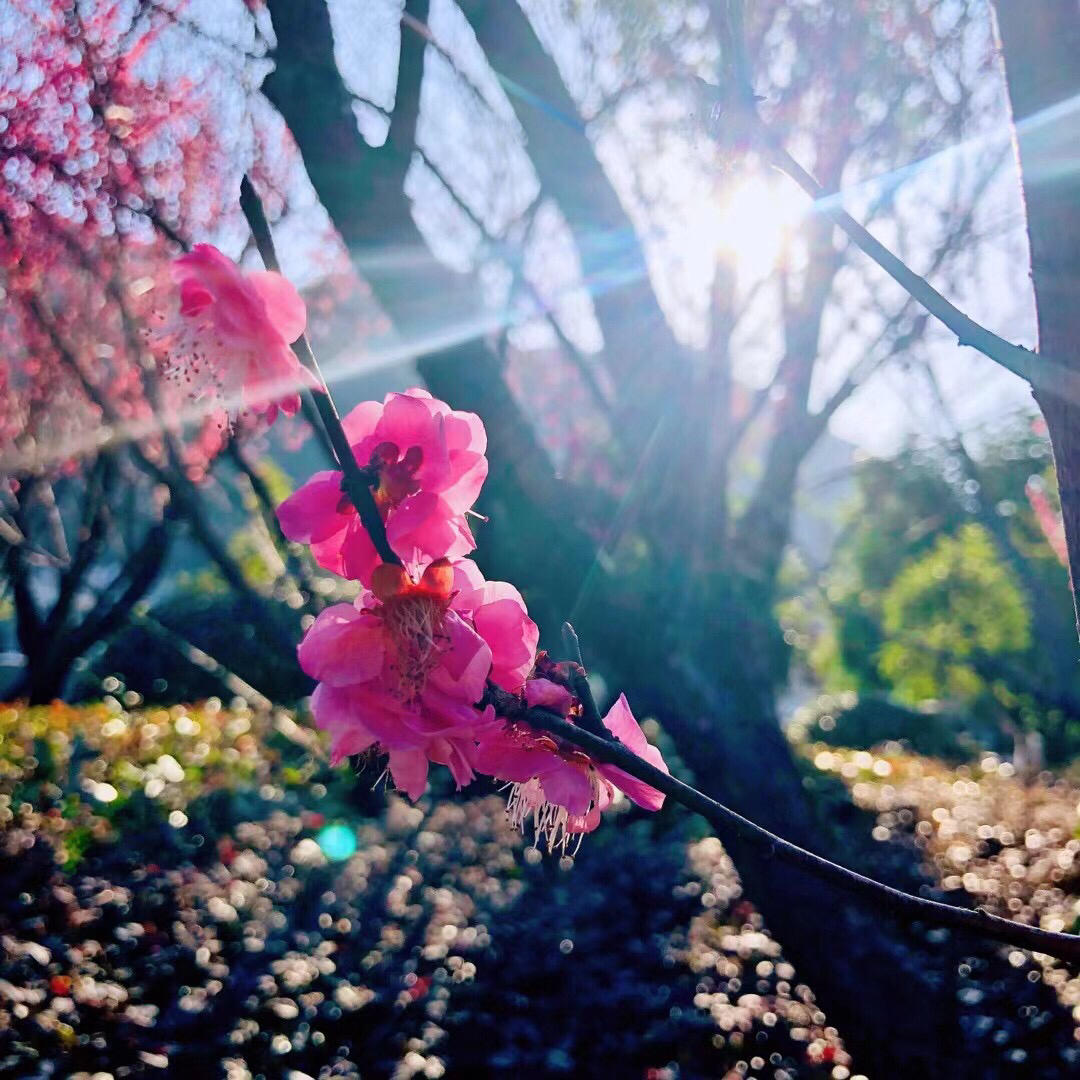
1040,46
362,187
640,350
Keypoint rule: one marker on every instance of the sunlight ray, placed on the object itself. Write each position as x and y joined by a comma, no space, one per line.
1057,164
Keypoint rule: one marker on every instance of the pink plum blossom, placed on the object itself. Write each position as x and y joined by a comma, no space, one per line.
403,668
559,786
400,670
227,337
498,612
430,465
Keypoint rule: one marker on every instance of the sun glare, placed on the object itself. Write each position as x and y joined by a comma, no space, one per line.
756,215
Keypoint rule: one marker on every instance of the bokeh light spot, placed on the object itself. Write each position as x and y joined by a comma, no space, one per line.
337,842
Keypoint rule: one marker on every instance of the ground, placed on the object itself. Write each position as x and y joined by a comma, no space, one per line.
194,889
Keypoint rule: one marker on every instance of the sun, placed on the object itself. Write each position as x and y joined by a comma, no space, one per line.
755,216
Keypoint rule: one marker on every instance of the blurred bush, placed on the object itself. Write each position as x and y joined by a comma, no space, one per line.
946,593
864,721
193,890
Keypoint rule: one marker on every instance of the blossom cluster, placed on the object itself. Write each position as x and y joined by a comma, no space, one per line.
405,670
114,142
410,670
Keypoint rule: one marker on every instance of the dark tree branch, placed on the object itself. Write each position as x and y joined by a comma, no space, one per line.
422,30
109,615
202,660
1042,371
515,261
27,618
92,533
613,264
357,481
294,565
727,822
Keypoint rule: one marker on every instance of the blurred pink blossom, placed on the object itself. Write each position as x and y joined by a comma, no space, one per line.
227,336
1049,519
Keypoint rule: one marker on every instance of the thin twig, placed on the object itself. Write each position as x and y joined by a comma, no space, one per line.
901,904
356,481
203,660
1042,371
424,31
278,540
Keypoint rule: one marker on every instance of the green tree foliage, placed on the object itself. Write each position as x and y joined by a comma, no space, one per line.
946,614
944,591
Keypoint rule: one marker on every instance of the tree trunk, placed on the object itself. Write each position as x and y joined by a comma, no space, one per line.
717,692
640,350
1041,48
711,683
52,645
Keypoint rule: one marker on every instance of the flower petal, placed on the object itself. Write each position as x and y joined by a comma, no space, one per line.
636,790
621,723
409,769
465,476
465,663
285,307
423,528
310,514
512,636
569,786
507,754
465,431
334,710
343,646
548,695
453,753
409,420
358,557
359,425
468,585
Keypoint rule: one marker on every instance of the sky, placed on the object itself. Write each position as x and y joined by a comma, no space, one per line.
689,203
696,216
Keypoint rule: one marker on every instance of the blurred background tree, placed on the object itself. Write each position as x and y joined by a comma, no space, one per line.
945,593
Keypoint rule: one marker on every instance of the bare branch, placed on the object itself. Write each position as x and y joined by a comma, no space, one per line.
1042,371
883,897
202,660
357,481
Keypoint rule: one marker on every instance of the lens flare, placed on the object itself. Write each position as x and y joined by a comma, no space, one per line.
755,218
337,842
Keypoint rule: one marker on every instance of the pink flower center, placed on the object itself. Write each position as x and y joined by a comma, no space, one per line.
397,473
414,627
414,616
552,823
